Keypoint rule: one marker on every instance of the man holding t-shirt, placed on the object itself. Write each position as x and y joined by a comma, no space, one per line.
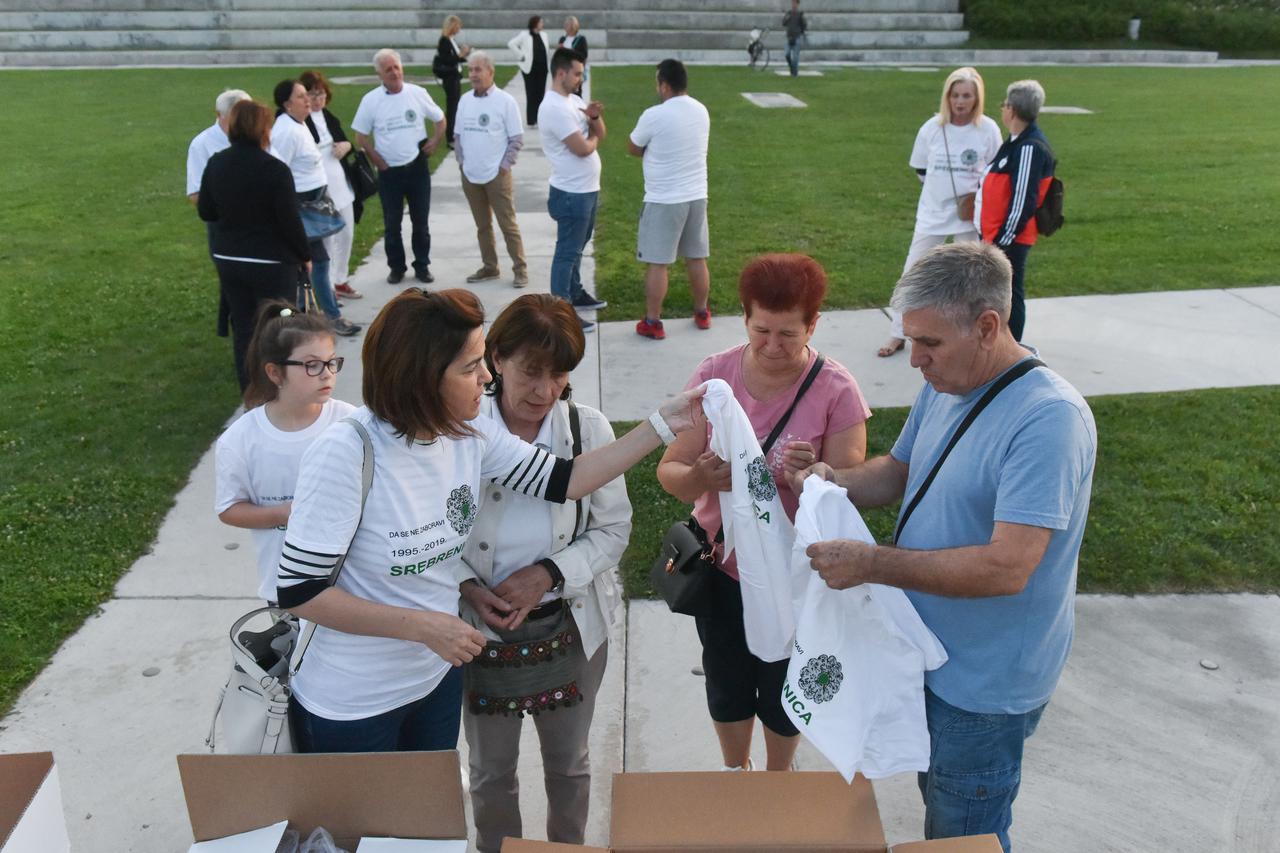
572,131
988,557
393,113
672,138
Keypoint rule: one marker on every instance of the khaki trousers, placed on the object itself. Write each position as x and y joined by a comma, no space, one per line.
494,744
487,201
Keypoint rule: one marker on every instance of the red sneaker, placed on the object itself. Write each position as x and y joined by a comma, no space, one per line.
702,319
651,330
346,291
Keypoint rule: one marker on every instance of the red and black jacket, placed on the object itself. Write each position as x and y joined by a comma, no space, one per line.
1014,187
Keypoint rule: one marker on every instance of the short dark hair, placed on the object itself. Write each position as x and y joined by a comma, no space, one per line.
534,20
283,92
277,332
563,59
783,282
250,124
544,325
673,73
407,348
316,80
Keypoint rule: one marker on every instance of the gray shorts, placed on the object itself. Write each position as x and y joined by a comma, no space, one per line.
668,231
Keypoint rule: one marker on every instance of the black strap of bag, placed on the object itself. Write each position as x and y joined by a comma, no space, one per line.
575,430
786,416
1013,373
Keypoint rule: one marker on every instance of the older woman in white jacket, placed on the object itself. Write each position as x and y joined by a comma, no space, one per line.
533,53
540,584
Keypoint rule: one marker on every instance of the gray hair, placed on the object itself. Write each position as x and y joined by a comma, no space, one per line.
960,280
479,57
1025,98
229,99
383,55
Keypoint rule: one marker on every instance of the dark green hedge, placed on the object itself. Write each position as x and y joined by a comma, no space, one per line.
1242,26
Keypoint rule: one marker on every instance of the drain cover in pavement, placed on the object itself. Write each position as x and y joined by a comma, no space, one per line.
773,100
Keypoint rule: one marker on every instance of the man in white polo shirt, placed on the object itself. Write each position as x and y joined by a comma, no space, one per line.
487,139
393,113
672,139
211,140
571,132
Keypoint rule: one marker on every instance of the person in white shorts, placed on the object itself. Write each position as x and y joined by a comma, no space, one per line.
672,139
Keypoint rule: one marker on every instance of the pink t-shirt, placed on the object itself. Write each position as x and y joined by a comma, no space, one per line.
832,404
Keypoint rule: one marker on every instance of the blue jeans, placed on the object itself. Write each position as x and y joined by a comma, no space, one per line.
793,56
975,768
411,182
431,723
1017,255
321,284
575,216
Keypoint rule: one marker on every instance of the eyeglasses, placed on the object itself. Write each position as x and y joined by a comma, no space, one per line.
315,367
317,93
1006,104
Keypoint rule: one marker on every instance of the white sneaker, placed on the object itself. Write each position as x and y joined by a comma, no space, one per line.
750,766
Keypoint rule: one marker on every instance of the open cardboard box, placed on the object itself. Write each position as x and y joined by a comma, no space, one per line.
31,818
794,812
414,795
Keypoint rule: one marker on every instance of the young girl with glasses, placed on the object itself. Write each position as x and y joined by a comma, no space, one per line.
292,369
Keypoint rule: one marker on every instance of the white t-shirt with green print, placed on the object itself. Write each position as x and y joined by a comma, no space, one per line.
406,552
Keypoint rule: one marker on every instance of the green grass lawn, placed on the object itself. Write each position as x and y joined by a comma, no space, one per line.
114,382
1170,185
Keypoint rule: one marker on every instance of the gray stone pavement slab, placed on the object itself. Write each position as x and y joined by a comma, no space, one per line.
1140,749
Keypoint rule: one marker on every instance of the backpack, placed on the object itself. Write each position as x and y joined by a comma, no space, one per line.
1049,216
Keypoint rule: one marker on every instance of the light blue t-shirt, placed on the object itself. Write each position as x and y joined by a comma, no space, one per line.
1027,459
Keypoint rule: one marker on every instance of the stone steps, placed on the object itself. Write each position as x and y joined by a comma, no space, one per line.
551,10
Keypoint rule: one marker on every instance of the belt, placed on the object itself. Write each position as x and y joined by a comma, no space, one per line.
542,611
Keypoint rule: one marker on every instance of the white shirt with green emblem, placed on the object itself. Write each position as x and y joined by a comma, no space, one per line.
396,121
405,553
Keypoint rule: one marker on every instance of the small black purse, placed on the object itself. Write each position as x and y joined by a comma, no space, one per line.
682,572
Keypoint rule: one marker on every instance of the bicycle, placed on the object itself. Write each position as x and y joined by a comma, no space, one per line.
758,54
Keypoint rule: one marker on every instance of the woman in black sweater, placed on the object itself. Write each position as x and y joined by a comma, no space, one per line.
256,233
449,55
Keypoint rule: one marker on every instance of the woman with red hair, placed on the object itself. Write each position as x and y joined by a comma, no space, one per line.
781,296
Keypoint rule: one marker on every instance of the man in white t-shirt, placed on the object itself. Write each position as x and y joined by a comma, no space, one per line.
572,131
211,140
672,139
488,136
393,113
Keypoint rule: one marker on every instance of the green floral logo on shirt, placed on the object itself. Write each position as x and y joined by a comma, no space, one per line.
461,510
759,481
821,678
410,116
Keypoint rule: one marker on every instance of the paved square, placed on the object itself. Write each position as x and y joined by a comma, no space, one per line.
774,100
1067,111
803,72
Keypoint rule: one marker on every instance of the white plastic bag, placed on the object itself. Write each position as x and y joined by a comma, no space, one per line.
855,684
756,527
320,841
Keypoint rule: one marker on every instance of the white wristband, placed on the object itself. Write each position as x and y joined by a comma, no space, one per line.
660,427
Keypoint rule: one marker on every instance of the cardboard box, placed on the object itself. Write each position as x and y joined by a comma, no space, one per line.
31,817
793,812
397,794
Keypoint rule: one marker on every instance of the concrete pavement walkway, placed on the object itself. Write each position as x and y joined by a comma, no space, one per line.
1144,748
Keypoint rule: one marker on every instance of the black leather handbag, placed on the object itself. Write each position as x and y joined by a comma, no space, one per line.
682,571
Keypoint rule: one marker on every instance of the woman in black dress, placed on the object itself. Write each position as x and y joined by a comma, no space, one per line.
532,48
449,55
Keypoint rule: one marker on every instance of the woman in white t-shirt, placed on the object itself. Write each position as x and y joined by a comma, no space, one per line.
950,152
382,671
334,147
292,367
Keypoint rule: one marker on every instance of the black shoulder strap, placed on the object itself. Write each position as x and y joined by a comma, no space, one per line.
1025,366
575,431
786,416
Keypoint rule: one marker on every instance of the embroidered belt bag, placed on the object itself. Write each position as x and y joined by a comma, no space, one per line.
528,670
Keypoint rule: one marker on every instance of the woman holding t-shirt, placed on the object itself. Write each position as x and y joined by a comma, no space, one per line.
780,296
950,152
382,672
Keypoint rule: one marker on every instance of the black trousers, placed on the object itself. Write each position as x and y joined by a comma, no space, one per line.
535,86
1017,255
452,95
245,287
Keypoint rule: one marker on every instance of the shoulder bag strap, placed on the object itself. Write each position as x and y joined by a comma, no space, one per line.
366,481
1000,384
575,430
955,194
786,416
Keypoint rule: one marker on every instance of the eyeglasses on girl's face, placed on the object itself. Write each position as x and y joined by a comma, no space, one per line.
315,367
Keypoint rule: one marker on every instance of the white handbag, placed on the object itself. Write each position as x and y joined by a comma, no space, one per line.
254,703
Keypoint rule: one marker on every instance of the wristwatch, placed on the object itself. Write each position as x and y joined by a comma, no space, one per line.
557,577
